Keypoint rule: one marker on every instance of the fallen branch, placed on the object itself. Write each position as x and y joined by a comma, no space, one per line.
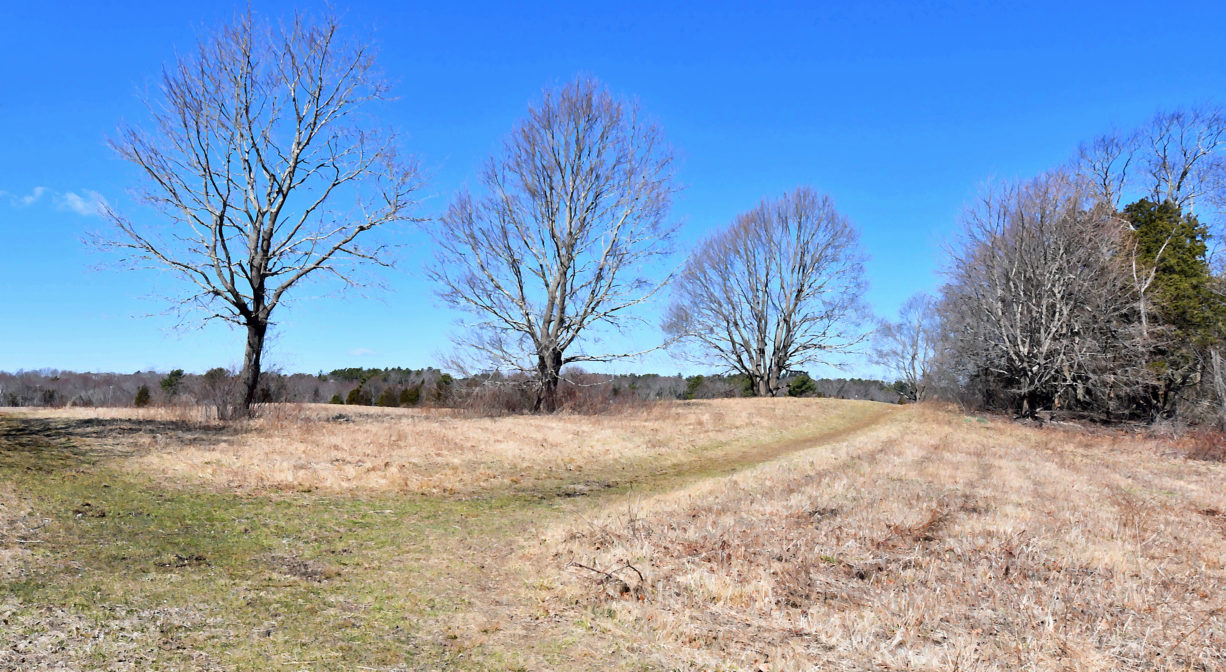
609,578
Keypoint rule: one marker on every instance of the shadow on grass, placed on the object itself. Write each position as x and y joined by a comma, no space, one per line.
50,444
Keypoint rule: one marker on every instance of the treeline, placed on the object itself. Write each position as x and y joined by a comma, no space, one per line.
1089,291
50,387
399,387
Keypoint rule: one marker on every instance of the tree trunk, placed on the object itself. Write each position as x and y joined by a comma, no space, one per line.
250,377
1219,386
549,369
1029,404
764,386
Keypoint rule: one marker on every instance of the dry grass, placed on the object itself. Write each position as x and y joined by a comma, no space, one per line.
19,531
345,448
735,534
935,542
1204,444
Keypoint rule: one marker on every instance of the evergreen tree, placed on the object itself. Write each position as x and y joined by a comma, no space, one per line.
358,396
1173,245
410,396
802,386
170,384
387,398
142,397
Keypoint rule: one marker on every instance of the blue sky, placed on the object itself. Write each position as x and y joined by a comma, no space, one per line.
899,111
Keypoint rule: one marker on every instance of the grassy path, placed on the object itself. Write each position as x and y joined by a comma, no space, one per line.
101,568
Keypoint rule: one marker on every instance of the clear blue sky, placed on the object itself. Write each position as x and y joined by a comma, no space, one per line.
898,110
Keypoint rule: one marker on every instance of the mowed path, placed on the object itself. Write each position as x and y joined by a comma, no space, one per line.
103,567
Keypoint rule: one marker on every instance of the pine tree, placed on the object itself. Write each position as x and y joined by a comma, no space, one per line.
1174,246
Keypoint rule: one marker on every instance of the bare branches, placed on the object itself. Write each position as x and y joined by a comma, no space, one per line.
908,346
1176,156
573,215
780,288
1039,304
263,175
1184,160
1106,160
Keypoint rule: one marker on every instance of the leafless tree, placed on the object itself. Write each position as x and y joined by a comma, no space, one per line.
908,346
1039,300
1178,156
562,241
1106,161
263,172
1184,161
779,288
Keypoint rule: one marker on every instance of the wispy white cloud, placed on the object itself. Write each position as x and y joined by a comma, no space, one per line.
24,201
33,196
362,352
89,203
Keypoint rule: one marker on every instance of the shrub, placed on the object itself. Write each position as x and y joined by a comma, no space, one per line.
1205,444
142,397
802,386
442,388
691,387
410,396
218,388
388,398
336,399
358,397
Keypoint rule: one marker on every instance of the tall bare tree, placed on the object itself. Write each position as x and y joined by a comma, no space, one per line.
908,345
1177,156
1039,301
263,172
1185,162
1106,162
779,288
574,212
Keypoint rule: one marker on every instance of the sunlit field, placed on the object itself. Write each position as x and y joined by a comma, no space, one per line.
773,534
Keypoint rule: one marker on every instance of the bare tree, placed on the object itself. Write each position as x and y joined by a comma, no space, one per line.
574,212
1184,160
1106,161
908,346
263,172
1176,156
1039,301
779,288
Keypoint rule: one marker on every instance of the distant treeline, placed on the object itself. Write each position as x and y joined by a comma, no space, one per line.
402,387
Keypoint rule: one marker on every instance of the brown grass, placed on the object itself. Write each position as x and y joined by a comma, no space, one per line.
1204,444
935,542
733,534
346,448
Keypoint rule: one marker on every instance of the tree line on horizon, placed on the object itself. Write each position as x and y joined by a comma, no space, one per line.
488,394
1089,290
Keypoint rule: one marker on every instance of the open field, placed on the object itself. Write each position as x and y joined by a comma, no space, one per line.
731,534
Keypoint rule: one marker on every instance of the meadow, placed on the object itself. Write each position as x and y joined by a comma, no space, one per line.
737,534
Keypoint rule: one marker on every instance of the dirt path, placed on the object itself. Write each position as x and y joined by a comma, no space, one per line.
755,454
503,588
